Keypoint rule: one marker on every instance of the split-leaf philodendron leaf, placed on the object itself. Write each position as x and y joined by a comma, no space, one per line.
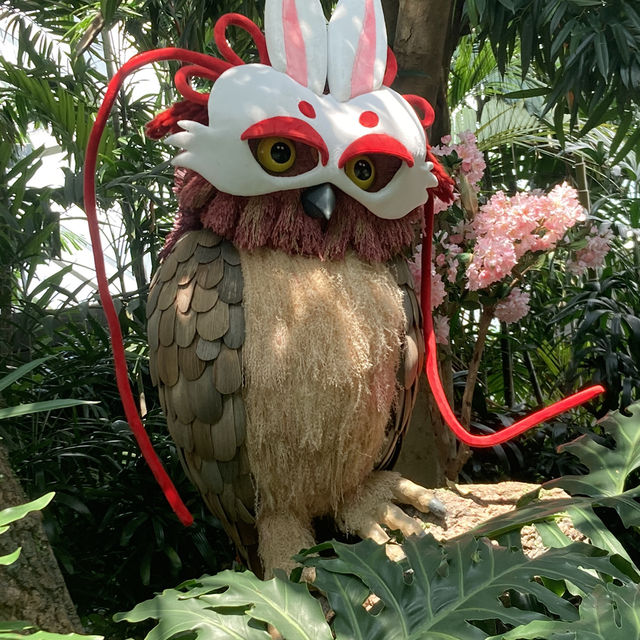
241,611
446,591
445,587
610,612
603,486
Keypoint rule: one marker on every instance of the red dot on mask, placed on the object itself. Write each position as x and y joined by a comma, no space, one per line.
306,109
369,119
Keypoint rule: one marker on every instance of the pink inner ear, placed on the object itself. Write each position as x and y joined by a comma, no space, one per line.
363,66
294,43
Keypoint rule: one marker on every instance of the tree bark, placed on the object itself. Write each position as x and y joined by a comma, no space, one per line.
32,589
425,35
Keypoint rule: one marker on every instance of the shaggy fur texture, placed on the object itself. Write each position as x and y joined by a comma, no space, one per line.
277,221
376,491
320,358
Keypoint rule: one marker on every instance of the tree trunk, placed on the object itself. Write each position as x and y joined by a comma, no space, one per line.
429,448
32,589
424,37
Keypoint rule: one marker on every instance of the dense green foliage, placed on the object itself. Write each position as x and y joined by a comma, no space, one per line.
460,589
558,112
585,53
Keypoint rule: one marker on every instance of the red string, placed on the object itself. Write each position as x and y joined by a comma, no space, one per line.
115,332
238,20
185,74
433,375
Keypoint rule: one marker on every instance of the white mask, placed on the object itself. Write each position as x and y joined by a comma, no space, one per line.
358,120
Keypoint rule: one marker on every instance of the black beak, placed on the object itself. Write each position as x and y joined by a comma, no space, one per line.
319,202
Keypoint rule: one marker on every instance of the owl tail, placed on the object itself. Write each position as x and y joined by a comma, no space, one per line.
433,374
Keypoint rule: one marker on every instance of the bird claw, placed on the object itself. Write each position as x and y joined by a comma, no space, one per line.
437,508
424,500
377,507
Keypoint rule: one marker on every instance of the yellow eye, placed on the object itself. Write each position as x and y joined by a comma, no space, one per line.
276,154
361,171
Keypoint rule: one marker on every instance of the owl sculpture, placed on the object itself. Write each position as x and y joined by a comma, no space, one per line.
285,335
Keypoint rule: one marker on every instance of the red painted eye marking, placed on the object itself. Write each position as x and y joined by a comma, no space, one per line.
287,127
376,143
369,119
306,109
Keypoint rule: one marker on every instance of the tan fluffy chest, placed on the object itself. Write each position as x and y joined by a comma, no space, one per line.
320,359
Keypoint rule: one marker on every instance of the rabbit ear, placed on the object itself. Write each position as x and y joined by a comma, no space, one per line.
296,33
357,48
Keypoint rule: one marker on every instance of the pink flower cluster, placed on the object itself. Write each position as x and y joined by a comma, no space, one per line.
473,164
449,258
493,259
441,328
438,291
514,307
507,228
593,255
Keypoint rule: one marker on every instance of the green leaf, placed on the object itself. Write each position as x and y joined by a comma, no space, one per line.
560,38
558,122
527,44
241,611
443,587
11,558
286,605
602,54
46,635
609,612
177,615
608,468
630,144
20,372
45,405
624,41
598,114
18,625
526,93
551,534
7,516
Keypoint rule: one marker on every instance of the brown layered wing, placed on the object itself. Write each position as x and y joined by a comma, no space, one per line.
196,333
411,364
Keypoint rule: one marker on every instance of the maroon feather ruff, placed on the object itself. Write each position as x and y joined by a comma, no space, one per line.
280,223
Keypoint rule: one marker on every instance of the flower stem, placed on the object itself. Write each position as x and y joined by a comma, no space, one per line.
474,366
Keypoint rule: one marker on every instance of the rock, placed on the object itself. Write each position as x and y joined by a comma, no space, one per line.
470,505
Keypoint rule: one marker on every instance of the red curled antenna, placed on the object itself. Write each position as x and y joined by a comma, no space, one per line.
433,375
183,75
238,20
120,363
